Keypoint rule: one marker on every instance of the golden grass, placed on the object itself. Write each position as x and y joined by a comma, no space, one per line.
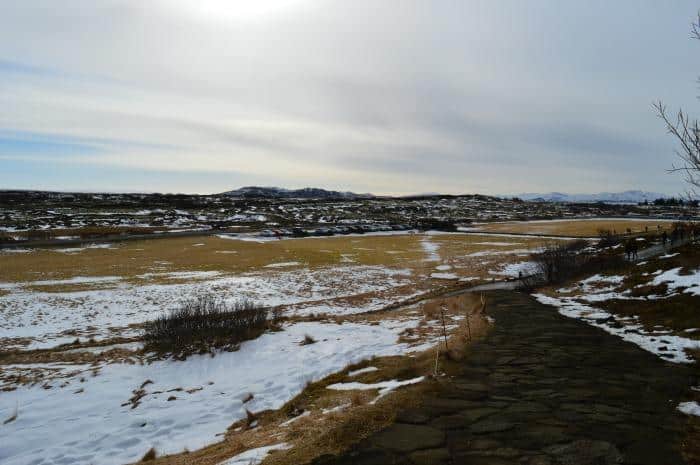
150,455
576,228
130,259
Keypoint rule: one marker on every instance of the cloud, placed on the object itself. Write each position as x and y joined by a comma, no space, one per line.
390,97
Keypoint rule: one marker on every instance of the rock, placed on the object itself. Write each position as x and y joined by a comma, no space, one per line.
491,425
472,387
438,404
646,452
536,436
539,460
485,460
586,452
475,414
430,457
478,444
505,452
450,422
413,416
406,438
527,407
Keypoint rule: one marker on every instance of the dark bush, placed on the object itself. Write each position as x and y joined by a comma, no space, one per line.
607,238
560,262
204,322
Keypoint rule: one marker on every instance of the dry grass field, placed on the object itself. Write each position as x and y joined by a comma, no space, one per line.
577,228
72,322
210,253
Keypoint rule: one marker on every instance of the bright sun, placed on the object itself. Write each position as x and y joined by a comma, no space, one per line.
235,9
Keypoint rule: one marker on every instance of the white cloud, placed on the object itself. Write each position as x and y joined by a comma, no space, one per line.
397,97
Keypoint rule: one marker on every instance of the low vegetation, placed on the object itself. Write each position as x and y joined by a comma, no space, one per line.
204,322
564,261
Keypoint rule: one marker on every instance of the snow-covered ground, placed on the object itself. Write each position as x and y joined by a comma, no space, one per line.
384,387
82,414
44,317
574,302
690,408
87,422
444,276
254,456
431,249
674,280
667,346
514,270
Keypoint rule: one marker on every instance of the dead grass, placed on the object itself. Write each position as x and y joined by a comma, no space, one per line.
131,259
149,456
581,228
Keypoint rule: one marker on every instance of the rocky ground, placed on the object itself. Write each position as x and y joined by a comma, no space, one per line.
542,389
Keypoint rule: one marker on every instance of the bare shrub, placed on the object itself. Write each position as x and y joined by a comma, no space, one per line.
250,419
607,238
557,261
560,262
204,322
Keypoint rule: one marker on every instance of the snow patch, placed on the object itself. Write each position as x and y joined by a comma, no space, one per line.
444,276
674,280
362,371
690,408
430,248
282,264
254,456
668,347
64,425
385,387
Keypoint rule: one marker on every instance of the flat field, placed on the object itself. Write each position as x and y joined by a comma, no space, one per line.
71,346
577,228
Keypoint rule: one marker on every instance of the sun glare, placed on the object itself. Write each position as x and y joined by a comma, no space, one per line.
242,10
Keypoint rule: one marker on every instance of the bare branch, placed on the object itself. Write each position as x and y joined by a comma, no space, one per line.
687,134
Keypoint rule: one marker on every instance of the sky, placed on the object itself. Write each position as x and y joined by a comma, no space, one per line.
389,96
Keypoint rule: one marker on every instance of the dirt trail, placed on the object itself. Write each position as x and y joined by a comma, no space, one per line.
541,389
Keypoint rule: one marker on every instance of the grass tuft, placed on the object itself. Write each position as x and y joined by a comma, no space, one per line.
12,418
150,455
205,322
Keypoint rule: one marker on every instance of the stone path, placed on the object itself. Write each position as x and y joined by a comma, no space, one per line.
540,389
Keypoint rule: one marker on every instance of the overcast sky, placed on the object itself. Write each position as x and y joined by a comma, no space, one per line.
389,97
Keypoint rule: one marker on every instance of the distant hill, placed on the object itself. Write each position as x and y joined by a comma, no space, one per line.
605,197
305,193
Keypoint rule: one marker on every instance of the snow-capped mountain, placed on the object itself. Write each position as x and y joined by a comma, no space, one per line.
305,193
634,196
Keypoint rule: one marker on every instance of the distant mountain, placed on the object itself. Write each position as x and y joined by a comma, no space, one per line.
305,193
605,197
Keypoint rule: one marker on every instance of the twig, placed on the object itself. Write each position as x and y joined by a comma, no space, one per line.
444,328
437,357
